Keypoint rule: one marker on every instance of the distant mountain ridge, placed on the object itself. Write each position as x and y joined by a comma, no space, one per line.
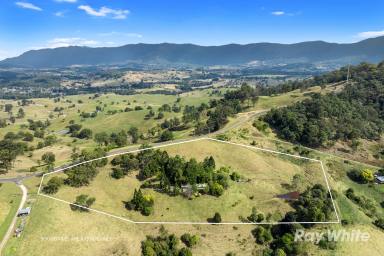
232,54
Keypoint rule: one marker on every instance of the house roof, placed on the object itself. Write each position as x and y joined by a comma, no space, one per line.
25,210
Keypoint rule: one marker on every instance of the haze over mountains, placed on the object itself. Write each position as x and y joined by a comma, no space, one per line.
314,52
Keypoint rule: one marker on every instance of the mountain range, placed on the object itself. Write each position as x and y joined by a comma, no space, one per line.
314,52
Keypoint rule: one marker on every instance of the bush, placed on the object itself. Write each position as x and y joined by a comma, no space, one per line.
117,173
85,134
262,235
190,240
235,176
216,218
255,216
81,202
327,244
53,185
140,202
216,189
166,136
366,176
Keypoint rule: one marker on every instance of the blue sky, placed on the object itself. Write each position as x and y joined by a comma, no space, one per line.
34,24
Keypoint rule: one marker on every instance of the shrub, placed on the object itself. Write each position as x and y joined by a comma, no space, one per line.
216,218
216,189
85,134
262,235
53,185
166,136
327,244
235,176
190,240
117,173
81,202
140,202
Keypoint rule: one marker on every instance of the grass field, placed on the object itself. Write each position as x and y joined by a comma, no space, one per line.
53,227
267,174
10,196
43,109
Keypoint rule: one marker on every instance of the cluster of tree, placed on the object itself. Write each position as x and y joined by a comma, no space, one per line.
82,203
361,176
313,205
9,150
316,121
83,174
118,139
171,173
88,115
142,203
173,124
164,244
255,216
49,159
53,185
37,125
193,114
48,141
25,136
217,116
76,131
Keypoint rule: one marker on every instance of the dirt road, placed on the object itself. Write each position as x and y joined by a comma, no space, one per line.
12,226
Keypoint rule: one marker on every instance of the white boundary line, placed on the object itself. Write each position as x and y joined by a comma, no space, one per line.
196,223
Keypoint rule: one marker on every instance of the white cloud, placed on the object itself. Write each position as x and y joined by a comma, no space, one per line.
70,41
27,5
115,33
66,1
369,34
59,14
105,12
278,13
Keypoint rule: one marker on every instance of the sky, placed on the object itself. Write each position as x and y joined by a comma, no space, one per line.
36,24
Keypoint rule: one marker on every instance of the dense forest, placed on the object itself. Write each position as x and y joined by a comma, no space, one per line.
353,113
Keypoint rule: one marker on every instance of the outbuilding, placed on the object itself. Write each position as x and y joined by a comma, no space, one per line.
24,212
380,179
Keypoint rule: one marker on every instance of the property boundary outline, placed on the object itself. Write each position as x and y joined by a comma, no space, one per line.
191,222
